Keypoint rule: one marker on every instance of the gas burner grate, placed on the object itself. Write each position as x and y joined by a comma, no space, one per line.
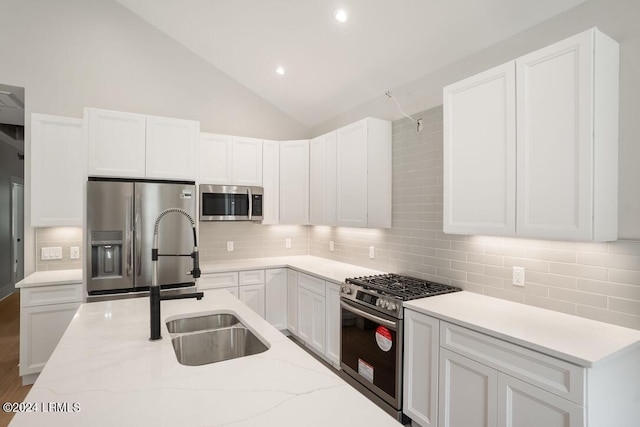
402,287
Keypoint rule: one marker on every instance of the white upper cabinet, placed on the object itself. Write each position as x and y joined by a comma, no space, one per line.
58,172
364,174
215,158
247,161
171,146
116,143
567,115
480,154
230,160
271,182
323,179
138,146
294,182
558,177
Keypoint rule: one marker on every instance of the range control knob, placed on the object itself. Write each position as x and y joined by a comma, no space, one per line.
346,290
392,307
379,303
384,304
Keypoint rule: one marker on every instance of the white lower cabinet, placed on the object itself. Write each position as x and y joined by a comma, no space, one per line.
468,392
247,286
420,375
276,297
45,313
311,312
475,380
332,304
292,301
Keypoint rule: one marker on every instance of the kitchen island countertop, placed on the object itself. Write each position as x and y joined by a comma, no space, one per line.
106,366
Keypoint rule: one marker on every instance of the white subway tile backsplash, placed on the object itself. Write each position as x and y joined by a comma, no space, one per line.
578,297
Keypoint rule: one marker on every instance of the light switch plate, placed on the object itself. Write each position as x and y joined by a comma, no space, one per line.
230,246
287,243
372,252
74,252
331,246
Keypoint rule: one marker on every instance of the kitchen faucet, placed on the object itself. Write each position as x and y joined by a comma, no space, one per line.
154,289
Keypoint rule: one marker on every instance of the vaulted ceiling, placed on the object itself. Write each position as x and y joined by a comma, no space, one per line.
331,67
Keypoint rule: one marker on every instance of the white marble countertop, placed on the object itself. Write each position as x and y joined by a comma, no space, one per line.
51,278
575,339
328,269
106,364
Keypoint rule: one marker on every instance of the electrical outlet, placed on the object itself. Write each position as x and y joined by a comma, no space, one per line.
287,243
230,246
74,252
372,252
518,276
331,246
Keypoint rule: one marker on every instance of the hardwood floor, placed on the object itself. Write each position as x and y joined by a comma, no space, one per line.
11,388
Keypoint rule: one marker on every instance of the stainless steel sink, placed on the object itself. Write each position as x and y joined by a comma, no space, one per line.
202,323
217,345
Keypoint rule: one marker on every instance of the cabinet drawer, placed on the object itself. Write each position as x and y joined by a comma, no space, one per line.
311,283
218,280
554,375
45,295
251,277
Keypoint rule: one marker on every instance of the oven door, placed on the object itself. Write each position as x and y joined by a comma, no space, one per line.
371,350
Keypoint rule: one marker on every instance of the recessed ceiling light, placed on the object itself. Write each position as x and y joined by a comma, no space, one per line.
340,15
280,71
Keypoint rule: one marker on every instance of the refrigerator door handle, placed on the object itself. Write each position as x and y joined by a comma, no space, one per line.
128,235
250,202
138,228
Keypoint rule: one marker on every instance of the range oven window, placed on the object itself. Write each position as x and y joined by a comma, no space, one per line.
222,204
371,350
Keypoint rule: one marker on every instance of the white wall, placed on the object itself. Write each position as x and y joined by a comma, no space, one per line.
70,54
617,18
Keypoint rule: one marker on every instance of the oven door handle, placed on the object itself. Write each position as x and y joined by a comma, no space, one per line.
389,324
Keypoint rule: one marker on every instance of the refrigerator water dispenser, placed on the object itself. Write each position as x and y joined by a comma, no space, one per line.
106,254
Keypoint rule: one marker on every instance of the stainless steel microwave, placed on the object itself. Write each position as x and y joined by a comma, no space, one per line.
230,203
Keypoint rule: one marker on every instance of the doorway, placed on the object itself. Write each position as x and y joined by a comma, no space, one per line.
17,229
11,187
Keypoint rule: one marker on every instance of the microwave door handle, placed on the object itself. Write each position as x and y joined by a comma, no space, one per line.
389,324
250,202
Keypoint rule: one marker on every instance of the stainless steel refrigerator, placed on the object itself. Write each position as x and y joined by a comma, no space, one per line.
121,215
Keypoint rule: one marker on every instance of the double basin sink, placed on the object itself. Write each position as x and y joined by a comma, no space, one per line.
211,338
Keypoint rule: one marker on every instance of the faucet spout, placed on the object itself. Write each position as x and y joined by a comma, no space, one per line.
154,289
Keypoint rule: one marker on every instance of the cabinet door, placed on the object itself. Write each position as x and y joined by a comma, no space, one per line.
292,301
294,182
116,143
305,315
333,323
218,280
555,140
246,161
58,170
468,392
318,337
41,328
253,296
523,405
171,146
322,180
215,158
420,384
480,154
271,182
276,297
311,319
352,175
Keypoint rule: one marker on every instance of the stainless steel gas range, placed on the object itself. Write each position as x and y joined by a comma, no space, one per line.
372,331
